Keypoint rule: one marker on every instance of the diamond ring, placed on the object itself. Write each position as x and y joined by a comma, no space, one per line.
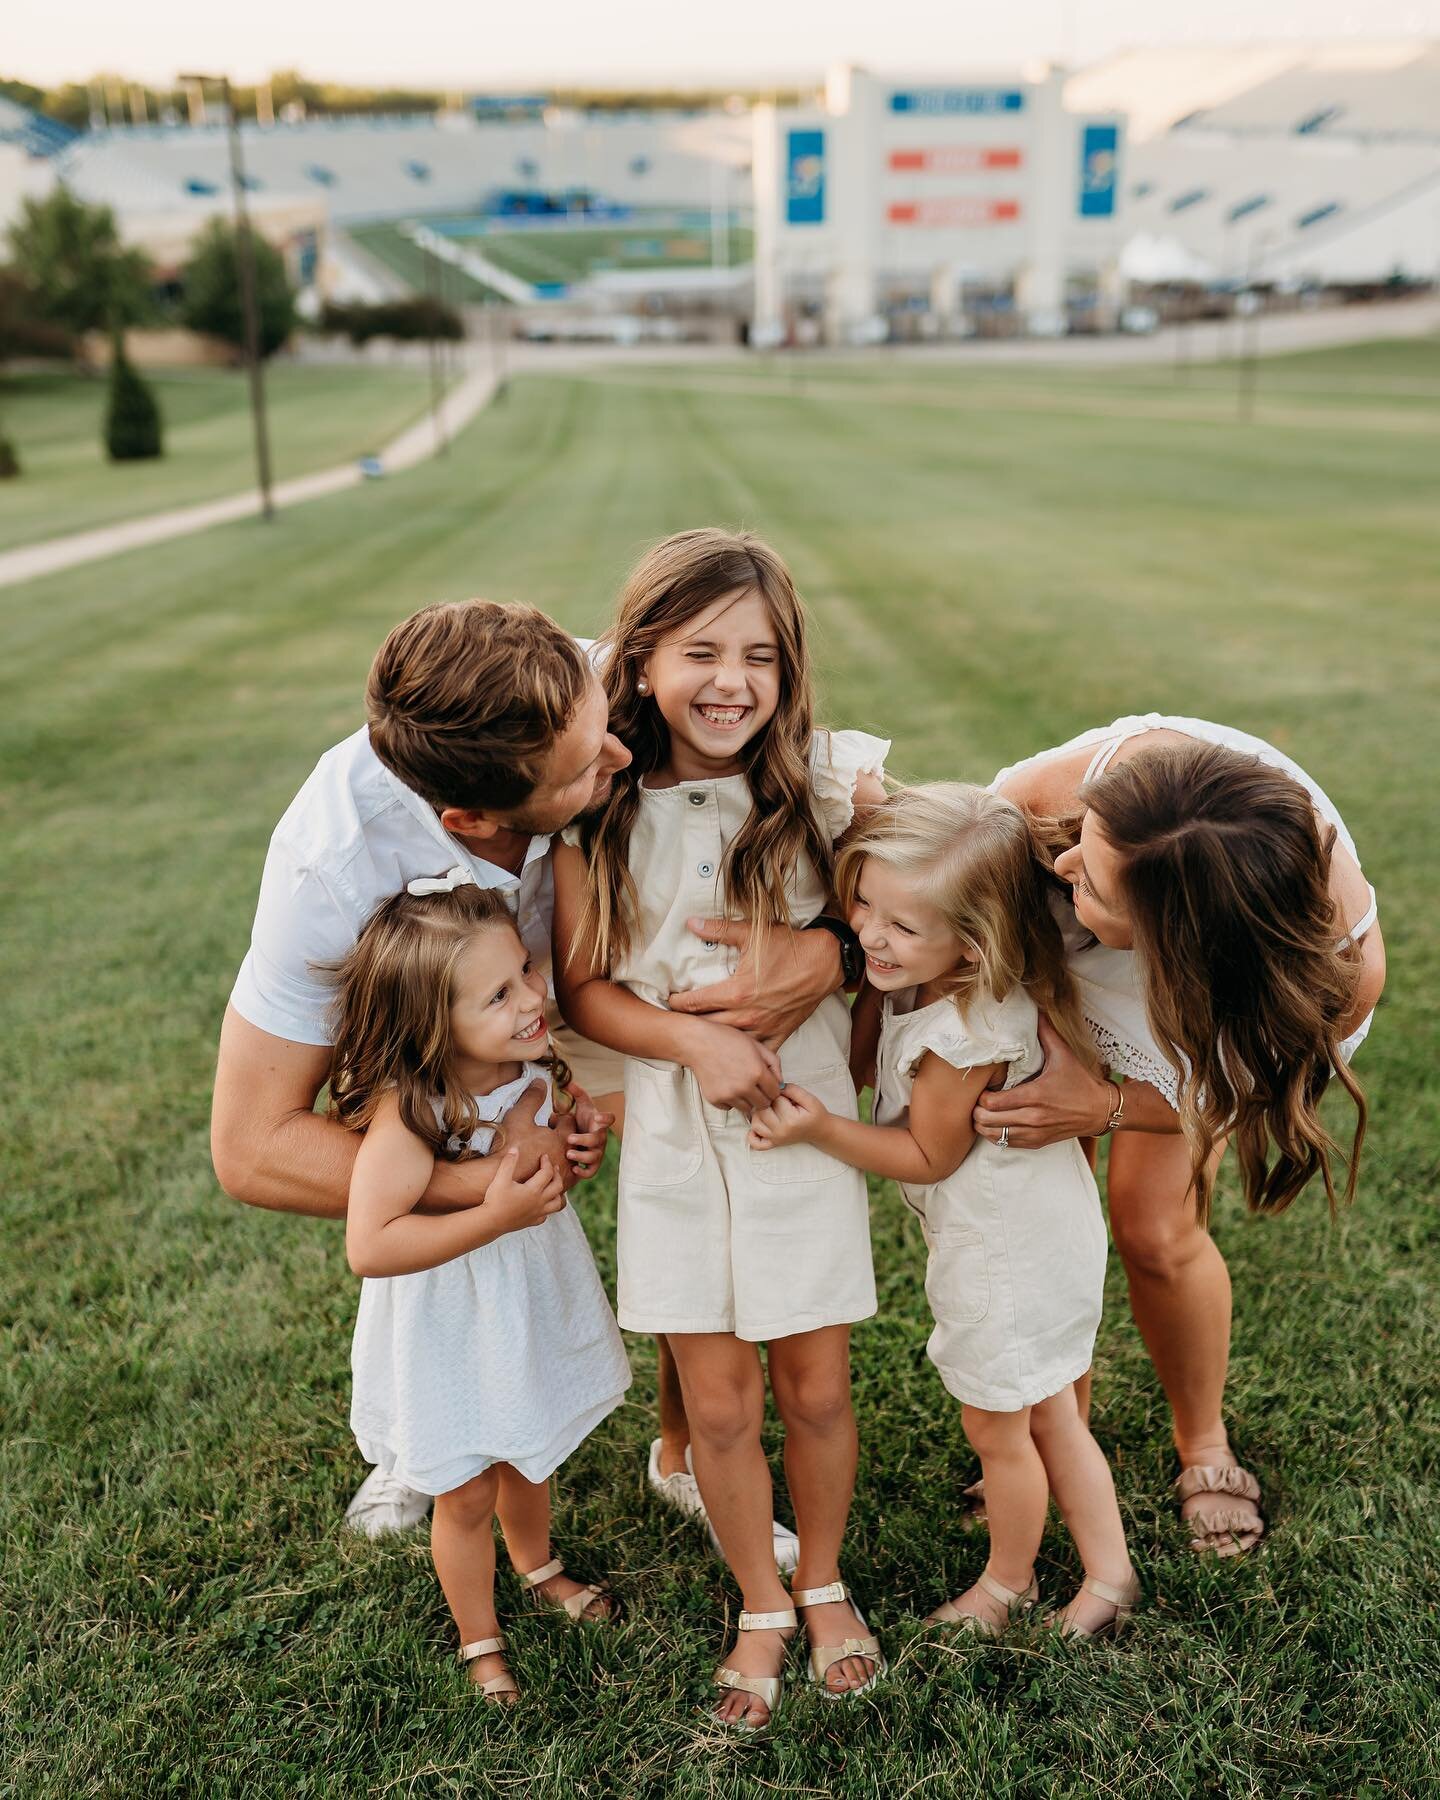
1004,1137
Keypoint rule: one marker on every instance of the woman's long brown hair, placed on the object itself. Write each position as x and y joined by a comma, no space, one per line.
392,1006
672,584
1225,876
986,867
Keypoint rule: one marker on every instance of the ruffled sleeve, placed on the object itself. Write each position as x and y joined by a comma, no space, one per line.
837,761
955,1043
571,836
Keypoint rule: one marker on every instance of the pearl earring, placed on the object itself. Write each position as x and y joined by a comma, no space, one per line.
642,685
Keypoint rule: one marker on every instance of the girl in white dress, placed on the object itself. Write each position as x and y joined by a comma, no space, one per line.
485,1350
946,886
731,807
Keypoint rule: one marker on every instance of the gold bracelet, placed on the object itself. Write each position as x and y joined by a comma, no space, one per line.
1116,1118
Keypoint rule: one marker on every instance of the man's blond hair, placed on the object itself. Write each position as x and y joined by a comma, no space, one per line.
466,700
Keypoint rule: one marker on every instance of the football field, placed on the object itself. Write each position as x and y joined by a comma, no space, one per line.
995,560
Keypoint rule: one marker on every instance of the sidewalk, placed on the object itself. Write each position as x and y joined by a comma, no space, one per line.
412,446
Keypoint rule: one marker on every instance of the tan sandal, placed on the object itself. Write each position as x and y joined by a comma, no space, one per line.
1017,1604
823,1657
1125,1600
577,1607
765,1688
502,1689
1240,1531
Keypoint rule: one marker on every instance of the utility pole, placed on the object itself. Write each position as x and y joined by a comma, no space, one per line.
245,258
437,380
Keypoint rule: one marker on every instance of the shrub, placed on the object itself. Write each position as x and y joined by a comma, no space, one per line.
212,289
416,317
132,417
9,461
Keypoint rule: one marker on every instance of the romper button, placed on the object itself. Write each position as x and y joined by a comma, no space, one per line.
697,799
711,943
706,869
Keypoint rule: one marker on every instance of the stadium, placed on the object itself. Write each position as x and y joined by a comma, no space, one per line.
1066,394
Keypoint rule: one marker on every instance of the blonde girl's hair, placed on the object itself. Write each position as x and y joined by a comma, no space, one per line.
1224,871
987,869
672,584
391,1015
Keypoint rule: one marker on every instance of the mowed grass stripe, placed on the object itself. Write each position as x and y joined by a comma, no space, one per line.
186,1609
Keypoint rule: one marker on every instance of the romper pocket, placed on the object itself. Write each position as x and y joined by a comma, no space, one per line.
957,1277
794,1163
661,1145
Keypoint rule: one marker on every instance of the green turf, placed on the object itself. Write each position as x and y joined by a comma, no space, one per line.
317,416
993,563
389,245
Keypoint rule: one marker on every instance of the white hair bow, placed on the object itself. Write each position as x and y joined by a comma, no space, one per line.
447,883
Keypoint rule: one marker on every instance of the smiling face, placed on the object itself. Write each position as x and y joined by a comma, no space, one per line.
906,940
716,680
498,1013
1093,870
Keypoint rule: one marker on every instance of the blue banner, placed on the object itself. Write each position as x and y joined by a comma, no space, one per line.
948,101
805,178
1099,162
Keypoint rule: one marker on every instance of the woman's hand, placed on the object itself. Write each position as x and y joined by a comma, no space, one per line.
798,969
586,1148
512,1205
731,1068
1063,1101
796,1117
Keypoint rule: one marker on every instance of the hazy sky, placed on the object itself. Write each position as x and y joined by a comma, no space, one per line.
446,43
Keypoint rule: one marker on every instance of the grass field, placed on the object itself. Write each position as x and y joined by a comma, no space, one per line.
994,562
318,416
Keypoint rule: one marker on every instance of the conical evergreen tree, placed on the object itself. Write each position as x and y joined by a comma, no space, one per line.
132,417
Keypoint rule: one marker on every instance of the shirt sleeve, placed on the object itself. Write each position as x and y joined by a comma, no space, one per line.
949,1037
837,761
299,924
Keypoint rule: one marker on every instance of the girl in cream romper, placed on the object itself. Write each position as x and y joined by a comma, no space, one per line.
713,1236
1016,1268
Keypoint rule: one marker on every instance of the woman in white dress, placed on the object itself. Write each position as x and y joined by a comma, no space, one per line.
485,1350
1229,959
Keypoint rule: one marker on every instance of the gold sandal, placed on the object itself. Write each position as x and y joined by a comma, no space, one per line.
1241,1531
1016,1603
577,1606
765,1688
823,1657
501,1689
1125,1600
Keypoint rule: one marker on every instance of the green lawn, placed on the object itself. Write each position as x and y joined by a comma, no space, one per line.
994,562
317,416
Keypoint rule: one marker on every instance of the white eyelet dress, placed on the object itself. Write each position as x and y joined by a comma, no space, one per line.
714,1236
1016,1269
509,1354
1111,987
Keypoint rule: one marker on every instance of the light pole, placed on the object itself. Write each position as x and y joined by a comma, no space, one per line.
245,258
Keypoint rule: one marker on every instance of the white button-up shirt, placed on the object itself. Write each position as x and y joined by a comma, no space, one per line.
353,836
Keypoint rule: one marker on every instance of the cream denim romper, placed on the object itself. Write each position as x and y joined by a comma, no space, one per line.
1016,1241
714,1236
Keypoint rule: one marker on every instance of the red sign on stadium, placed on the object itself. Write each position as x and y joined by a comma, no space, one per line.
956,209
953,159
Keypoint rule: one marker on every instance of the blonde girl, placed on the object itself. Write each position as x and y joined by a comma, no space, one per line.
485,1350
946,886
731,806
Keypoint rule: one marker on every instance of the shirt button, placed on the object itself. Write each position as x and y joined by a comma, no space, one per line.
697,799
706,869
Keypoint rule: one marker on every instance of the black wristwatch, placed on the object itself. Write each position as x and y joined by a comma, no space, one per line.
852,957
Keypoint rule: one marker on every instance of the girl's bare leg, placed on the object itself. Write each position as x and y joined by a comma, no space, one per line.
462,1544
1084,1491
725,1398
674,1426
1016,1497
1180,1296
524,1510
810,1376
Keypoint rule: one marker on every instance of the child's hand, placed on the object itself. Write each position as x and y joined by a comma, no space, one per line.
797,1117
512,1205
586,1147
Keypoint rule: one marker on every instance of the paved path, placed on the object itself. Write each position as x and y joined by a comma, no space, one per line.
459,406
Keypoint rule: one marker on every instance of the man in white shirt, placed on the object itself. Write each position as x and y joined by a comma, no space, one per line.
487,733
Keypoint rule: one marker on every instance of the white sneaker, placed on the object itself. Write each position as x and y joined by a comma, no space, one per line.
382,1505
682,1491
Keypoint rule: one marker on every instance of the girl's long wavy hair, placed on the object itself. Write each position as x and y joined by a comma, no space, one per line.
394,992
987,868
1225,876
672,584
